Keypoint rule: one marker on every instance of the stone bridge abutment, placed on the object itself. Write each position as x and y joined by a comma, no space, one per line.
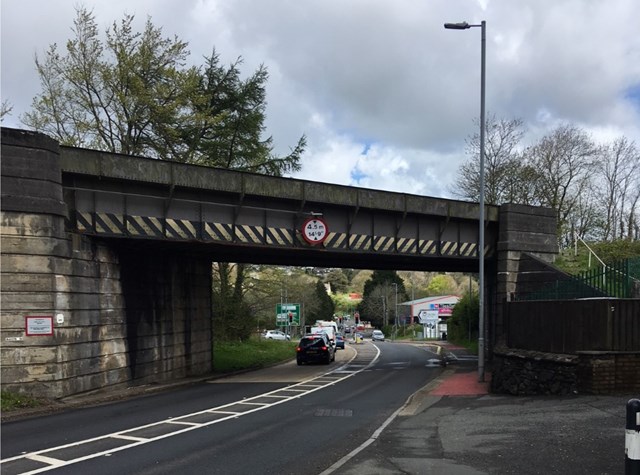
78,313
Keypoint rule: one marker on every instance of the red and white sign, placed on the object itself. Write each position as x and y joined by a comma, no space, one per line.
38,325
315,230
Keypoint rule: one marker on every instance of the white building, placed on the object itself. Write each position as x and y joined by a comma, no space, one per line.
432,312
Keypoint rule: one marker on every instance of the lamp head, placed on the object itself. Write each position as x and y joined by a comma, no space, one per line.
457,26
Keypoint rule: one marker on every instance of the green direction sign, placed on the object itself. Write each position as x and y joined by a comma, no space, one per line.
283,310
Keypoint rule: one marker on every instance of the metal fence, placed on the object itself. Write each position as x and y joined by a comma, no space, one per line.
612,280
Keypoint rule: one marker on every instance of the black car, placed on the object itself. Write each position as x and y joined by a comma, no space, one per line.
315,348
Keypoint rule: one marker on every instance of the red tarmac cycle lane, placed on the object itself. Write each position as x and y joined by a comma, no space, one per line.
463,384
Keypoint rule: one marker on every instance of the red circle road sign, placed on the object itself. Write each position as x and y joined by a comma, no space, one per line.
315,230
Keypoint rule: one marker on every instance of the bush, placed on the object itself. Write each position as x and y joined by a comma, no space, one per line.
463,324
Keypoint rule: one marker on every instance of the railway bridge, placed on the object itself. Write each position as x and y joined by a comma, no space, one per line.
106,258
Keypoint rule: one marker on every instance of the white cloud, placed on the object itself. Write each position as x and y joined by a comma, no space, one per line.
382,76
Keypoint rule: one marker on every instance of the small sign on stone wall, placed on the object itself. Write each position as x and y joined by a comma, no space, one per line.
39,325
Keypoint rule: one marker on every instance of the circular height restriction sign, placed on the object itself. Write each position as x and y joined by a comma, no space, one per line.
315,230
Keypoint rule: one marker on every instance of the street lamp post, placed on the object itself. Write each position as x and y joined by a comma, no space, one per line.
483,28
396,307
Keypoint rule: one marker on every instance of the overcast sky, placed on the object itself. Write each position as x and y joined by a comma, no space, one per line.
386,96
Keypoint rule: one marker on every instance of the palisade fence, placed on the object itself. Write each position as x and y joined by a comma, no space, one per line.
613,280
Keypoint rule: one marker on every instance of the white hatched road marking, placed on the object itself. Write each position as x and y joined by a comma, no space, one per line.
314,384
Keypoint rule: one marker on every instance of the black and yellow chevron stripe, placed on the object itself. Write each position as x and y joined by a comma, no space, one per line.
249,234
183,229
218,232
145,226
279,236
360,242
335,241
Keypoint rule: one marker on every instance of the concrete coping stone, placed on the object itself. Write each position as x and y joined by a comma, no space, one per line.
535,355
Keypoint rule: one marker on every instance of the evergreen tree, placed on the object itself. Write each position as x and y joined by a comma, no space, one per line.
379,298
133,94
324,308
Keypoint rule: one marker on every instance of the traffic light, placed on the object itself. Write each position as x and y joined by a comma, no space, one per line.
357,319
290,318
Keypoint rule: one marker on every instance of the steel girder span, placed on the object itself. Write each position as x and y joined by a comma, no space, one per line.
243,217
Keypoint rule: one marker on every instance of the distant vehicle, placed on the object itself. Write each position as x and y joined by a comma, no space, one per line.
339,341
330,331
330,326
315,348
275,335
377,335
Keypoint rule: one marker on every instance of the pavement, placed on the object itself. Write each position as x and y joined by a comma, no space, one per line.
455,426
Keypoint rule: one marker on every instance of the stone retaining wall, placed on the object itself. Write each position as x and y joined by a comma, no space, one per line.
524,373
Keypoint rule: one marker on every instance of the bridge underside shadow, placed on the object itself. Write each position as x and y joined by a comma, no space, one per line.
252,254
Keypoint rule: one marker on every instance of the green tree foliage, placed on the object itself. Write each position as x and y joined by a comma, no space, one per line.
263,290
324,309
463,323
442,284
379,297
267,286
132,93
338,279
344,305
232,317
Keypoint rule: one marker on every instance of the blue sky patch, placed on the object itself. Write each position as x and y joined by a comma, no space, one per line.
633,95
357,175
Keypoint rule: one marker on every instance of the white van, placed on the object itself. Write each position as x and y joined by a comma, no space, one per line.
330,328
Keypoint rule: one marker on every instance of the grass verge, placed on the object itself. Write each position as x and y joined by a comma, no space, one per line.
227,357
10,401
251,354
472,345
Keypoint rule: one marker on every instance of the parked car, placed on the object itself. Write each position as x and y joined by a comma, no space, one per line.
276,335
377,335
339,341
315,348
